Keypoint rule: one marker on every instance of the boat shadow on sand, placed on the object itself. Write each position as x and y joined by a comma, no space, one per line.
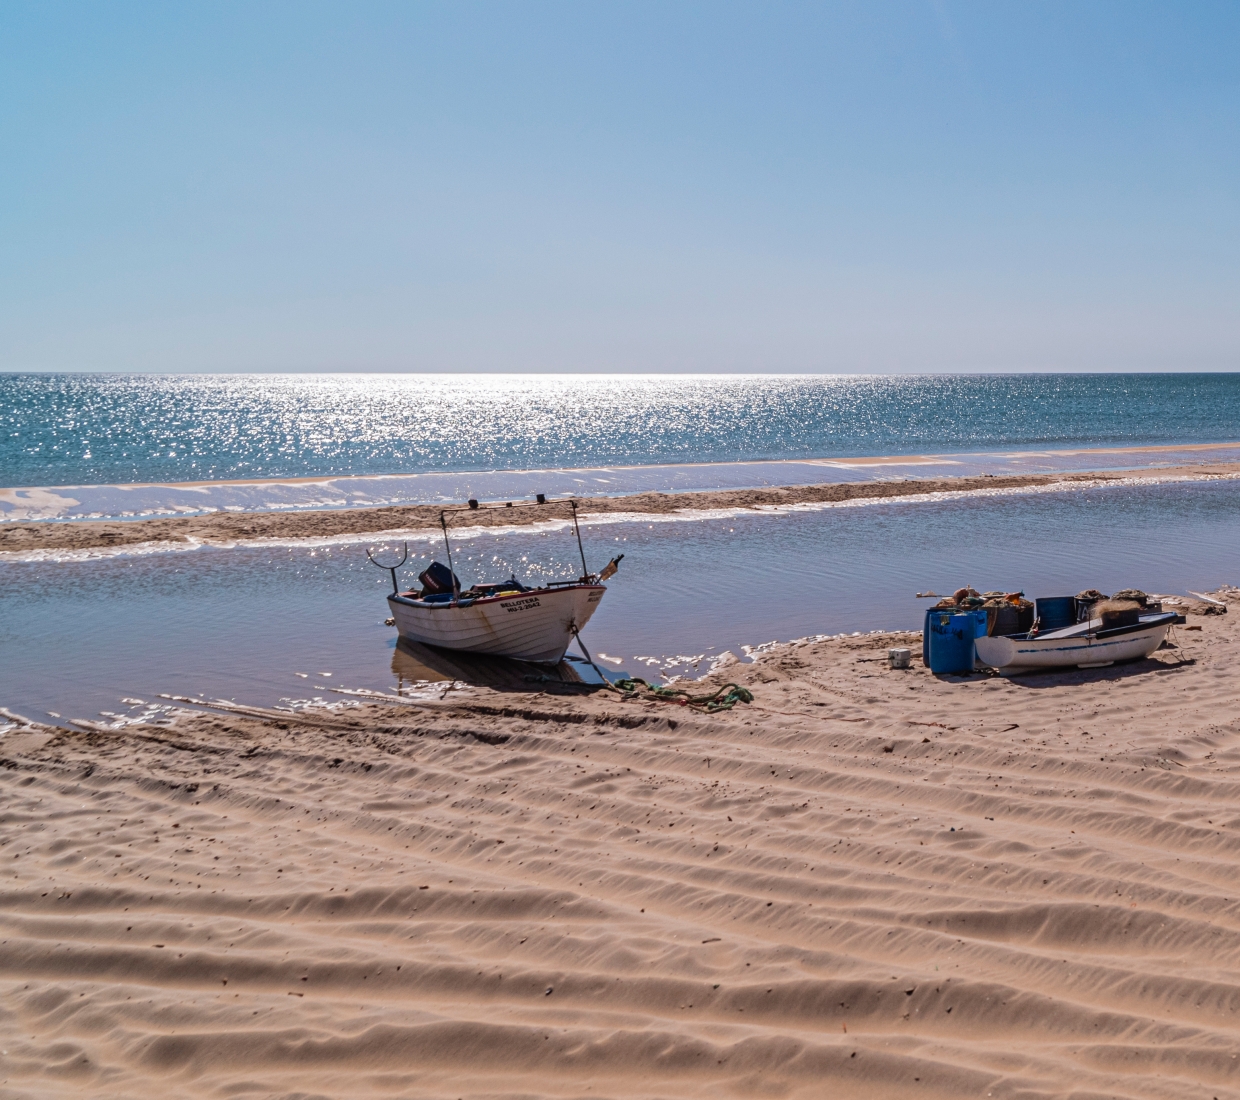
417,667
1059,677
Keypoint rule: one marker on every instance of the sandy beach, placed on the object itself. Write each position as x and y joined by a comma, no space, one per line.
232,527
866,883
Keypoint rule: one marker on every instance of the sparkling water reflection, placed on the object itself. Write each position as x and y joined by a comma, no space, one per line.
91,429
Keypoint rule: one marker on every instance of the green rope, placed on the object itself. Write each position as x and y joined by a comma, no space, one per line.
724,699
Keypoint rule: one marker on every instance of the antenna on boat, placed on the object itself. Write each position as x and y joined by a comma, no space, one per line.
585,572
456,585
390,568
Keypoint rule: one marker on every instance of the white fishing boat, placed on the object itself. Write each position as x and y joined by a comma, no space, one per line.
1085,645
536,624
505,619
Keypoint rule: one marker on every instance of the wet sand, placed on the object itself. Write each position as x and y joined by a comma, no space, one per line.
868,883
230,527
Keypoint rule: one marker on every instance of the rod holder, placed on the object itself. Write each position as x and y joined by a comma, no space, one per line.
390,568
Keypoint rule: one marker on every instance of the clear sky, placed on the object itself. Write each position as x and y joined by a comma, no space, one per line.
822,187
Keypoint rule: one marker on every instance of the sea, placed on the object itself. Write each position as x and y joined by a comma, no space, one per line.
106,635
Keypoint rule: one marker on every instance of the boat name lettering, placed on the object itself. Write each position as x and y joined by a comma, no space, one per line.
522,605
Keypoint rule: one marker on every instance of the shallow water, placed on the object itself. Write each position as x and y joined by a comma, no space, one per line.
78,637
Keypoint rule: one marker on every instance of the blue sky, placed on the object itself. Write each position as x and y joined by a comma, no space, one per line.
662,187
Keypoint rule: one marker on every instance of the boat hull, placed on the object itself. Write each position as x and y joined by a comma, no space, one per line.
528,626
1020,654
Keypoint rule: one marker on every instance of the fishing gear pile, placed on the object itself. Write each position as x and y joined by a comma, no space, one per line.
724,699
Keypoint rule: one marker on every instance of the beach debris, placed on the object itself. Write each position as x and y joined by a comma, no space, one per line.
1211,602
296,708
900,658
22,724
412,699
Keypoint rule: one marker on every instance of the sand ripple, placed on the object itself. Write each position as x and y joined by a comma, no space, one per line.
869,884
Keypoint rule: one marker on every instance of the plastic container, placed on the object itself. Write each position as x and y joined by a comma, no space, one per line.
1056,612
1120,616
978,616
951,638
899,658
1011,619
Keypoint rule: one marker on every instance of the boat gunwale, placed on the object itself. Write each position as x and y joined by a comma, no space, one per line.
1164,618
476,601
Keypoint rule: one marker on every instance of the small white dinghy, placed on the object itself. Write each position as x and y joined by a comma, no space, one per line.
1085,645
505,619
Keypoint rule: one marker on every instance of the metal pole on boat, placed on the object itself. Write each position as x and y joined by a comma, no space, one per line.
585,572
456,587
390,568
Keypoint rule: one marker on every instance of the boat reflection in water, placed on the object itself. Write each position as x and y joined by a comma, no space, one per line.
419,668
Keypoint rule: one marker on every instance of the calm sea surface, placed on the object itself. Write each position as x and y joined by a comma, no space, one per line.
92,429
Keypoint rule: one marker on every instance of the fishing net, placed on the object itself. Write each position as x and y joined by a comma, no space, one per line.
725,698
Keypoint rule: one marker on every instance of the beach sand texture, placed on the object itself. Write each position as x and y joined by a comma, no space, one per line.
869,883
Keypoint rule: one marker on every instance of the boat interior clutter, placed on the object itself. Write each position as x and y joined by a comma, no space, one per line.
440,585
1008,632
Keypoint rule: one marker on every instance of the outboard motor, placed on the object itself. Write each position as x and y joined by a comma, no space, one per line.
438,578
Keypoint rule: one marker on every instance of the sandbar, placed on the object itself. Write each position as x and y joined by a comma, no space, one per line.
231,527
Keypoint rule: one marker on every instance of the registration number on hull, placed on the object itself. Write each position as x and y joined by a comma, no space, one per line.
522,605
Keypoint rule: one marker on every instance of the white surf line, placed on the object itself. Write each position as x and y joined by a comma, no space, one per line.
931,458
601,519
154,499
